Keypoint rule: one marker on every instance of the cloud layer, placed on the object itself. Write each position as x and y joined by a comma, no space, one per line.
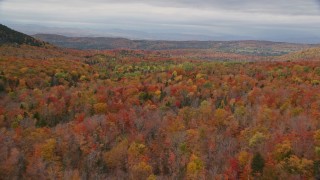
253,19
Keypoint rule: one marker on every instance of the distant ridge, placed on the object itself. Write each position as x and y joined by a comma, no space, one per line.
246,47
12,37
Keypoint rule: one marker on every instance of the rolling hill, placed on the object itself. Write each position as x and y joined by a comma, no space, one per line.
10,36
260,48
307,54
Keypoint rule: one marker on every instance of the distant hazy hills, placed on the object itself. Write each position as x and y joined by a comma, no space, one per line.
197,49
261,48
9,36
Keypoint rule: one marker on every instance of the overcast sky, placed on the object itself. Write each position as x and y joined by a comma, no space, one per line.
283,20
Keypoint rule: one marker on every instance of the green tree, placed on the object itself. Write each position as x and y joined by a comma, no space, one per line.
257,164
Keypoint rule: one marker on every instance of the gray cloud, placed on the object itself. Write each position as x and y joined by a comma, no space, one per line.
278,6
249,18
318,1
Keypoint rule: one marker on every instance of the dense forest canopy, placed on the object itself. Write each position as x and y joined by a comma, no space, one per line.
134,114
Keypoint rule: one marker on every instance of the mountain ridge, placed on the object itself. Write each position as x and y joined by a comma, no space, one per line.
10,36
248,47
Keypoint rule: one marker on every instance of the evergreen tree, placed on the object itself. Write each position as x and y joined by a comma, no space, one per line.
257,164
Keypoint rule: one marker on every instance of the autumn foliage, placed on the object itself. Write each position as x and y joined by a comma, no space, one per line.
144,115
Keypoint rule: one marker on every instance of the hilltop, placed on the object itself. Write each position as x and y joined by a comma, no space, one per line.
12,37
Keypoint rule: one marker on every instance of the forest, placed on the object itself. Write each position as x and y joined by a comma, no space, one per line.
123,114
148,114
